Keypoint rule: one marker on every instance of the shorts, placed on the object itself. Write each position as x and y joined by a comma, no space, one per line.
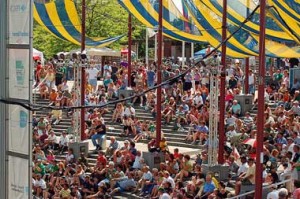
93,82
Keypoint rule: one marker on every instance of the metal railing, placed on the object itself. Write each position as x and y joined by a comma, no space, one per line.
265,187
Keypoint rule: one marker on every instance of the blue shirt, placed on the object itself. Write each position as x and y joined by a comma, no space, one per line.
203,129
150,75
208,187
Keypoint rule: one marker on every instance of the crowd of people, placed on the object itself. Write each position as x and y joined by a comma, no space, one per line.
120,166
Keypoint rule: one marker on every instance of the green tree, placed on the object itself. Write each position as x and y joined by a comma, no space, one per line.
104,18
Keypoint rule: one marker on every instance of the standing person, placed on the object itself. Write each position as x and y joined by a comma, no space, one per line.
150,77
93,73
59,75
39,68
100,134
251,80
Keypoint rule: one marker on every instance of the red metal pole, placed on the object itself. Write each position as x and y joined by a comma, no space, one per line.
82,119
247,75
129,48
222,89
261,101
159,62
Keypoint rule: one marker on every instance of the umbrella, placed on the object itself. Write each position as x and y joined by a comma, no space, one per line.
201,52
250,141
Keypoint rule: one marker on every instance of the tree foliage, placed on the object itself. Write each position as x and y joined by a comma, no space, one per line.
104,18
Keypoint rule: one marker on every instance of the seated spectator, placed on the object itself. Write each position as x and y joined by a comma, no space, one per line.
39,185
186,168
247,178
129,110
127,125
113,146
104,109
118,113
200,133
56,115
208,187
127,184
43,89
99,134
52,97
63,142
235,108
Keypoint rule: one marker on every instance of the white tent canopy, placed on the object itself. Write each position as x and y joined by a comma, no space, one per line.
99,52
36,53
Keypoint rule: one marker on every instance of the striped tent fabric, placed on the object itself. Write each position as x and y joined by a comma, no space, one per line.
173,22
205,16
61,19
244,42
240,9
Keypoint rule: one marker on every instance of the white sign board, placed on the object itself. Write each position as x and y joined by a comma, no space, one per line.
18,129
19,19
18,73
18,178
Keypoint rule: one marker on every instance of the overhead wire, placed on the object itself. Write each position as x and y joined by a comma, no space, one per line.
35,107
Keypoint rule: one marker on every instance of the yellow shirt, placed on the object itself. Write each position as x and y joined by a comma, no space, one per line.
56,113
251,171
65,193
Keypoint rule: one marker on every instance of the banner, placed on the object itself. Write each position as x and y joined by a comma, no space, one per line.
18,178
19,19
18,129
18,73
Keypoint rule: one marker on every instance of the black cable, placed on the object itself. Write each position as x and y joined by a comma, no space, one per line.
34,107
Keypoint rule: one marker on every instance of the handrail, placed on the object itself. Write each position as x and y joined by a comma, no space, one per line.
265,187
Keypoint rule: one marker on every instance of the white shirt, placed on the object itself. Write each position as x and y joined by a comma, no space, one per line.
170,180
40,183
129,111
137,163
273,194
243,168
251,79
198,100
231,134
93,73
52,138
63,140
147,176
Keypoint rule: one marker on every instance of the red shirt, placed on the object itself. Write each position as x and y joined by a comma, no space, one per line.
102,160
176,155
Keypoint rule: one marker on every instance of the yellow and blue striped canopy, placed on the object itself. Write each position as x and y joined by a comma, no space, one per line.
60,18
203,19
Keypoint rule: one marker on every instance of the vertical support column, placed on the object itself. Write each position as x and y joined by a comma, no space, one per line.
129,49
147,48
222,87
155,47
159,62
192,50
247,75
82,120
261,101
183,54
3,64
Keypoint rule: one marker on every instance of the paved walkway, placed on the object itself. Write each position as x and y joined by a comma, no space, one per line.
143,148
